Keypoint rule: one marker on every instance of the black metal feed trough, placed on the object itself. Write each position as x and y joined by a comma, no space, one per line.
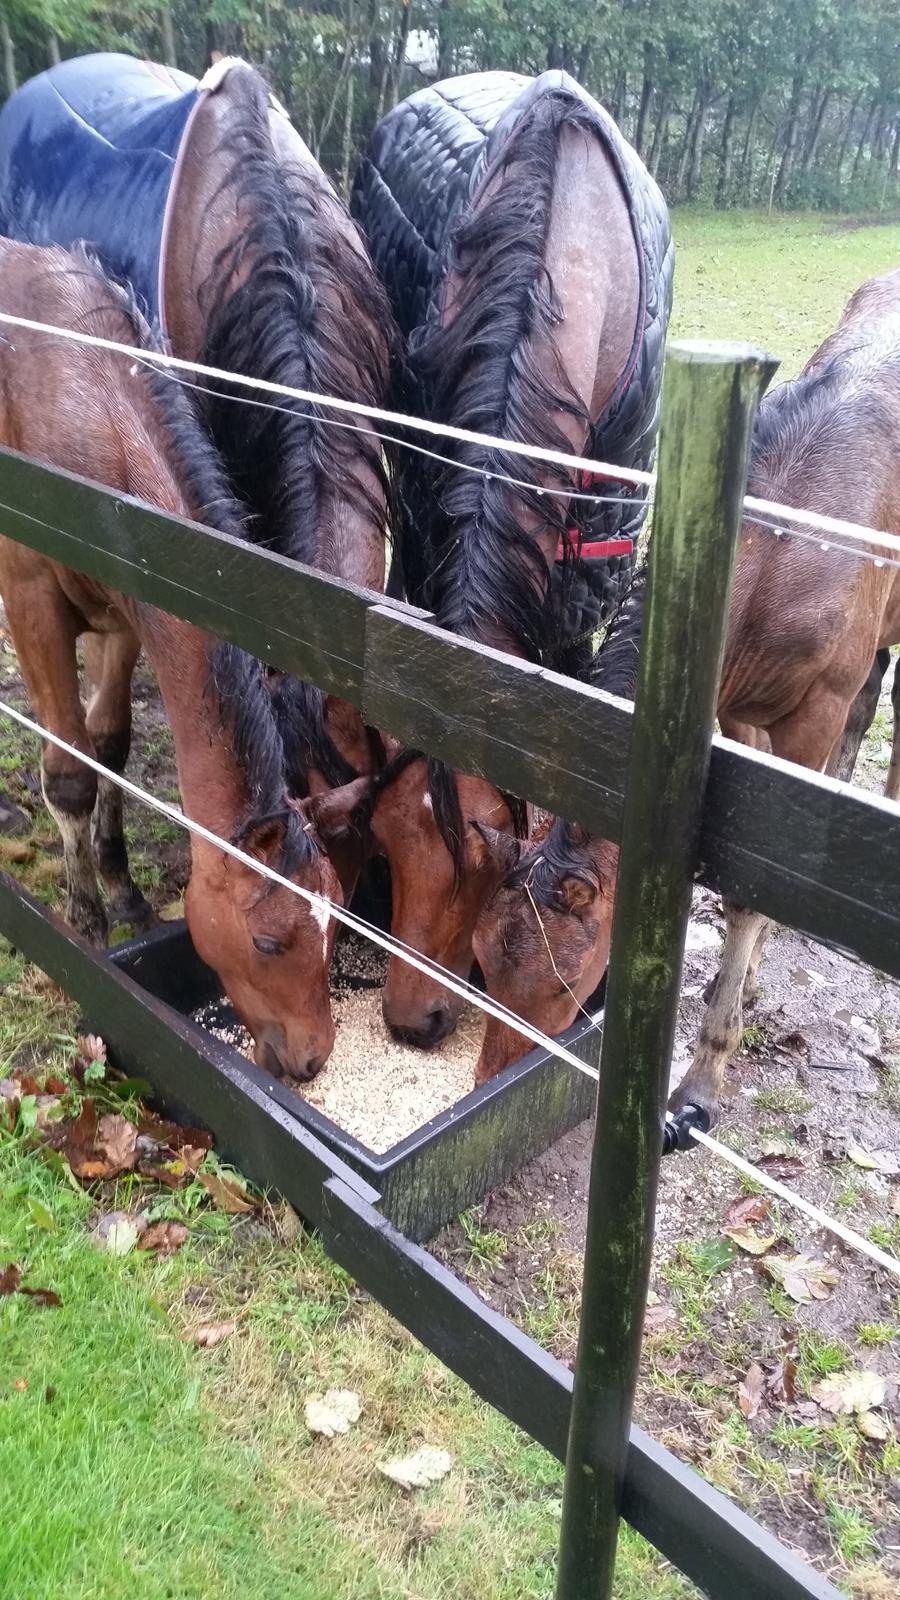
449,1163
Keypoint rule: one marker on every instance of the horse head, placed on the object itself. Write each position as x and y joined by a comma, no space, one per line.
271,948
442,872
542,941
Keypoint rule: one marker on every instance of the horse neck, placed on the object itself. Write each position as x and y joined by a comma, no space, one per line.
213,789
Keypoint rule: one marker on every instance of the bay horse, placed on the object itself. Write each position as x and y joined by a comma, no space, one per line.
528,257
807,620
204,199
128,427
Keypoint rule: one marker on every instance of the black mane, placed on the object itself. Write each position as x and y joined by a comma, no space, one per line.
237,680
478,569
564,852
309,314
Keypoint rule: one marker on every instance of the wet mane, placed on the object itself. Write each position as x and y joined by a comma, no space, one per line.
237,680
312,316
803,420
478,569
564,853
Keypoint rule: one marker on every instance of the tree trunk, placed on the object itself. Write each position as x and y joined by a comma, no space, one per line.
696,168
646,97
223,39
9,58
445,39
53,55
878,139
815,132
584,61
167,36
686,148
659,136
347,141
747,154
376,48
617,105
785,171
848,129
723,186
894,164
400,51
861,147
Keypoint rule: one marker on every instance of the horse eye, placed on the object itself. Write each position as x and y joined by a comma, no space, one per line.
267,946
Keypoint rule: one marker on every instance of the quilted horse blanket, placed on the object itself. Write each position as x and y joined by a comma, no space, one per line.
423,165
89,151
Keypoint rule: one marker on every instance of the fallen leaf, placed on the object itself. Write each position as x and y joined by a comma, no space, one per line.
754,1244
781,1165
781,1384
172,1134
117,1137
121,1237
711,1256
805,978
425,1466
656,1317
845,1392
212,1333
40,1216
91,1047
332,1413
701,936
873,1426
10,1278
163,1237
227,1194
288,1224
751,1391
42,1297
861,1158
802,1277
747,1208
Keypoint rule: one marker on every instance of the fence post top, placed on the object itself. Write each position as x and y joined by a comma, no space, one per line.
718,352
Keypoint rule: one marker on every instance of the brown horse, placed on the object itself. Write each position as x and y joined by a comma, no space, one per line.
204,198
534,330
805,625
133,430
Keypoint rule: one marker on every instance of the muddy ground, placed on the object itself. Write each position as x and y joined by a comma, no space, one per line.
816,1090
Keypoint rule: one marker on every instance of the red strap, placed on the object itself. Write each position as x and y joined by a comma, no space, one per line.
595,548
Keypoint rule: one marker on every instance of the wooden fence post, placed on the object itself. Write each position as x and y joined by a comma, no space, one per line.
710,393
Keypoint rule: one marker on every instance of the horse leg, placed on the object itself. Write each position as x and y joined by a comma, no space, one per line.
892,785
44,629
109,661
843,758
720,1031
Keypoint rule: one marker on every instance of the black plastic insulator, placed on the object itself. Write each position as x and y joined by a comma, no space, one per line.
679,1126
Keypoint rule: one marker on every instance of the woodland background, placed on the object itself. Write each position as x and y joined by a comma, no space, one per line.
772,103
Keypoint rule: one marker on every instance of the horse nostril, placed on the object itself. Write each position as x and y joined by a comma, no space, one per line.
435,1026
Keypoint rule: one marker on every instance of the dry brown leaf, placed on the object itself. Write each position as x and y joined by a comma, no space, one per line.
288,1224
212,1333
172,1134
656,1317
845,1392
91,1047
781,1165
751,1391
747,1208
227,1194
42,1297
754,1244
117,1138
163,1237
802,1277
10,1278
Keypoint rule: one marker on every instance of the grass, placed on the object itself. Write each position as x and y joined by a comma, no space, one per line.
133,1462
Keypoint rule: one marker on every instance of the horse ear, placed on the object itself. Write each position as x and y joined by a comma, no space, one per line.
264,839
333,812
577,893
490,845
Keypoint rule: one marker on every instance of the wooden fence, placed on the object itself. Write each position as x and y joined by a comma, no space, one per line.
685,806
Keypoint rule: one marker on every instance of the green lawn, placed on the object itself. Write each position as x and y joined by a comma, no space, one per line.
781,282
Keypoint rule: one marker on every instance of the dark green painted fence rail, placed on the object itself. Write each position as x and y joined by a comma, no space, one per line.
792,844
